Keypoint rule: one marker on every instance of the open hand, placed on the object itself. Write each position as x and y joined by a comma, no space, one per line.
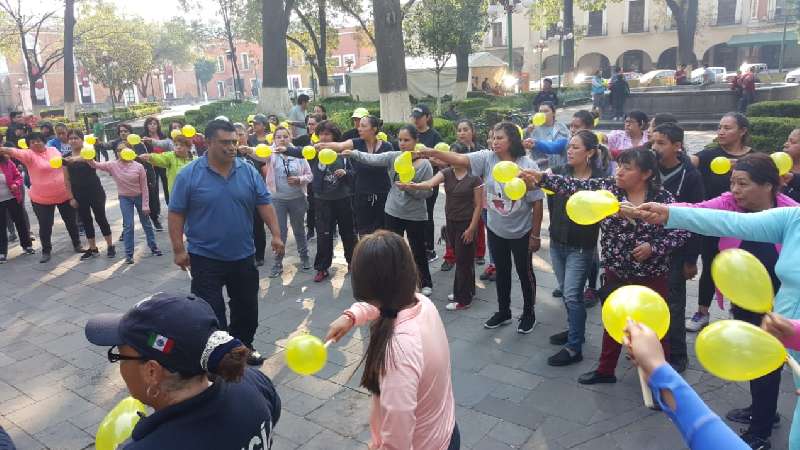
339,328
777,325
654,213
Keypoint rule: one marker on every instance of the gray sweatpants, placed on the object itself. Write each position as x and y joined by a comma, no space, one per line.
295,210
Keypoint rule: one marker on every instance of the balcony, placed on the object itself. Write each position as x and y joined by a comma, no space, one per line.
727,21
596,31
635,28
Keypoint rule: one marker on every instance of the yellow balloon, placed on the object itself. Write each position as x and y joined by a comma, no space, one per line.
22,143
538,119
419,146
270,138
134,139
314,138
408,175
309,152
188,131
90,139
596,121
639,303
284,124
442,147
88,152
127,154
515,189
118,424
521,132
306,354
327,156
783,161
742,278
263,151
174,133
381,136
272,127
590,207
505,171
547,191
738,351
720,165
601,137
251,118
403,163
56,162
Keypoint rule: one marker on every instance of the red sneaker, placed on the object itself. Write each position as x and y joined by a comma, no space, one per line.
321,275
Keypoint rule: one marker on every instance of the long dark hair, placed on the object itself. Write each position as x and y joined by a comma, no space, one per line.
762,170
384,274
411,129
742,122
150,120
512,133
590,141
330,127
645,159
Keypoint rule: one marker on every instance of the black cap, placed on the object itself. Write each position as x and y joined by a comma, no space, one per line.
260,118
173,329
420,110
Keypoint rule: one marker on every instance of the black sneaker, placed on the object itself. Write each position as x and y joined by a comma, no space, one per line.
129,260
255,358
157,224
432,256
447,266
559,338
78,248
3,259
29,251
755,442
310,235
156,252
564,358
594,378
678,363
89,254
111,252
557,293
497,320
526,323
745,416
259,262
45,258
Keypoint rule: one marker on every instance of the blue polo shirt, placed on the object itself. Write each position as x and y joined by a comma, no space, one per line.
218,211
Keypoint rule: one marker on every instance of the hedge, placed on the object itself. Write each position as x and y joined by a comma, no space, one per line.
472,107
781,108
769,133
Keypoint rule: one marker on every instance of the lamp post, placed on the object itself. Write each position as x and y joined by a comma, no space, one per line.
540,48
349,63
508,6
561,37
20,84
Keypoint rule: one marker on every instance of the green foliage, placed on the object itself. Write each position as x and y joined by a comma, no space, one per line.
446,128
236,111
782,108
137,111
496,114
472,107
204,69
769,133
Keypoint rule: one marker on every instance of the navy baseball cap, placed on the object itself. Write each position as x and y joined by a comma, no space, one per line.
173,329
420,110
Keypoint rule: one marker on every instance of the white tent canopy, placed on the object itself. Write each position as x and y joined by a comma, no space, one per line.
421,76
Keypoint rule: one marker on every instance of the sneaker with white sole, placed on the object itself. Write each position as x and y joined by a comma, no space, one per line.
697,322
455,306
426,291
451,297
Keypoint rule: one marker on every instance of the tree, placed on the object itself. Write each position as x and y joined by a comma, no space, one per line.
472,22
203,71
172,42
390,52
317,35
69,61
684,13
274,85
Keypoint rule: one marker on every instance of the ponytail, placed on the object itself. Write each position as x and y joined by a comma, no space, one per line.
380,337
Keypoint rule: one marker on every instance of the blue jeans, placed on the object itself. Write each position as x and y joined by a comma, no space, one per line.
571,264
127,205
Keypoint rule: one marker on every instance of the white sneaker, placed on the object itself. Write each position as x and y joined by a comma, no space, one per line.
426,291
697,322
455,306
451,297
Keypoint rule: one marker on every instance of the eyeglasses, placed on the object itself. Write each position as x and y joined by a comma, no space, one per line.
116,357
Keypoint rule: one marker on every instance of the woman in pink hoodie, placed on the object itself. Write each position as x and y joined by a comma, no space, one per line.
407,365
11,202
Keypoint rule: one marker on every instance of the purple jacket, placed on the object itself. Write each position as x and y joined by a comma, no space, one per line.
13,178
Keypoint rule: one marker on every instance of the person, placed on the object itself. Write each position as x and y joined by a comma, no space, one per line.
632,135
598,91
60,141
485,86
213,200
174,357
572,247
633,253
353,133
708,76
732,142
12,206
88,197
748,84
319,109
405,210
48,192
407,361
550,131
260,131
775,225
619,89
286,177
683,181
244,154
700,428
156,143
124,130
792,179
680,75
657,120
17,128
513,225
422,118
312,121
451,113
466,143
546,94
131,180
46,128
198,141
462,209
474,85
371,185
297,116
171,161
97,127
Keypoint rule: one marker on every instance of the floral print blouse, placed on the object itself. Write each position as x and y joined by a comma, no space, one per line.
620,235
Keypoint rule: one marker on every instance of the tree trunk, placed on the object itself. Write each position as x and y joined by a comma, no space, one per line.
392,81
322,54
569,45
274,96
462,73
69,60
686,21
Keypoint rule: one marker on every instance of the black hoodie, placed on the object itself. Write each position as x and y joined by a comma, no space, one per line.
686,185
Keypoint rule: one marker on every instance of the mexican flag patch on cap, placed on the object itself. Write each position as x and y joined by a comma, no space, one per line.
160,343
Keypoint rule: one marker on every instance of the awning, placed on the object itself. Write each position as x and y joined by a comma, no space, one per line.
759,39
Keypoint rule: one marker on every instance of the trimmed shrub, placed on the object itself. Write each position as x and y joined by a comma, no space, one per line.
495,114
472,107
769,133
446,128
781,108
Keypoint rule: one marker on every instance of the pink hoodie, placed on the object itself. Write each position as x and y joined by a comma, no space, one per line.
416,409
47,184
726,202
793,341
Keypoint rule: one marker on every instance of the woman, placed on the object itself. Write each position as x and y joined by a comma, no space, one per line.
246,155
371,183
754,188
422,117
124,130
152,131
633,252
312,121
171,161
462,209
632,135
775,225
48,192
12,206
88,197
198,141
598,91
406,211
792,179
572,248
407,363
513,225
466,143
286,178
169,348
550,131
260,131
619,91
733,139
131,181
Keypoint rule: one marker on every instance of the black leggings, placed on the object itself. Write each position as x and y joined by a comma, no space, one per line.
430,227
92,201
161,174
706,289
45,214
502,251
368,211
415,229
15,212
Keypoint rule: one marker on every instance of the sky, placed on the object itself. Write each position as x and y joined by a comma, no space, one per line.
150,10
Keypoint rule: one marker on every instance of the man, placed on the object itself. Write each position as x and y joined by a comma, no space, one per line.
297,116
60,142
619,88
358,114
680,75
17,128
708,76
485,86
748,87
547,94
213,200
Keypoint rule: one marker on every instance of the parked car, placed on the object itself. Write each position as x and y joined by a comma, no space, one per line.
719,74
660,77
793,76
760,67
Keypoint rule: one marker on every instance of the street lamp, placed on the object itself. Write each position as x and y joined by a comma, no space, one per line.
561,37
20,83
540,48
349,62
508,6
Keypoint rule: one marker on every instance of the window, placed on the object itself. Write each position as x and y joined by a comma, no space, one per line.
349,57
726,12
636,16
595,27
245,61
335,61
338,84
221,63
220,89
497,34
294,81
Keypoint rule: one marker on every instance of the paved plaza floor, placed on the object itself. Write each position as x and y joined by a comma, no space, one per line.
55,387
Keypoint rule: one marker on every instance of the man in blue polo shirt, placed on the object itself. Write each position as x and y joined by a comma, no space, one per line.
212,202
